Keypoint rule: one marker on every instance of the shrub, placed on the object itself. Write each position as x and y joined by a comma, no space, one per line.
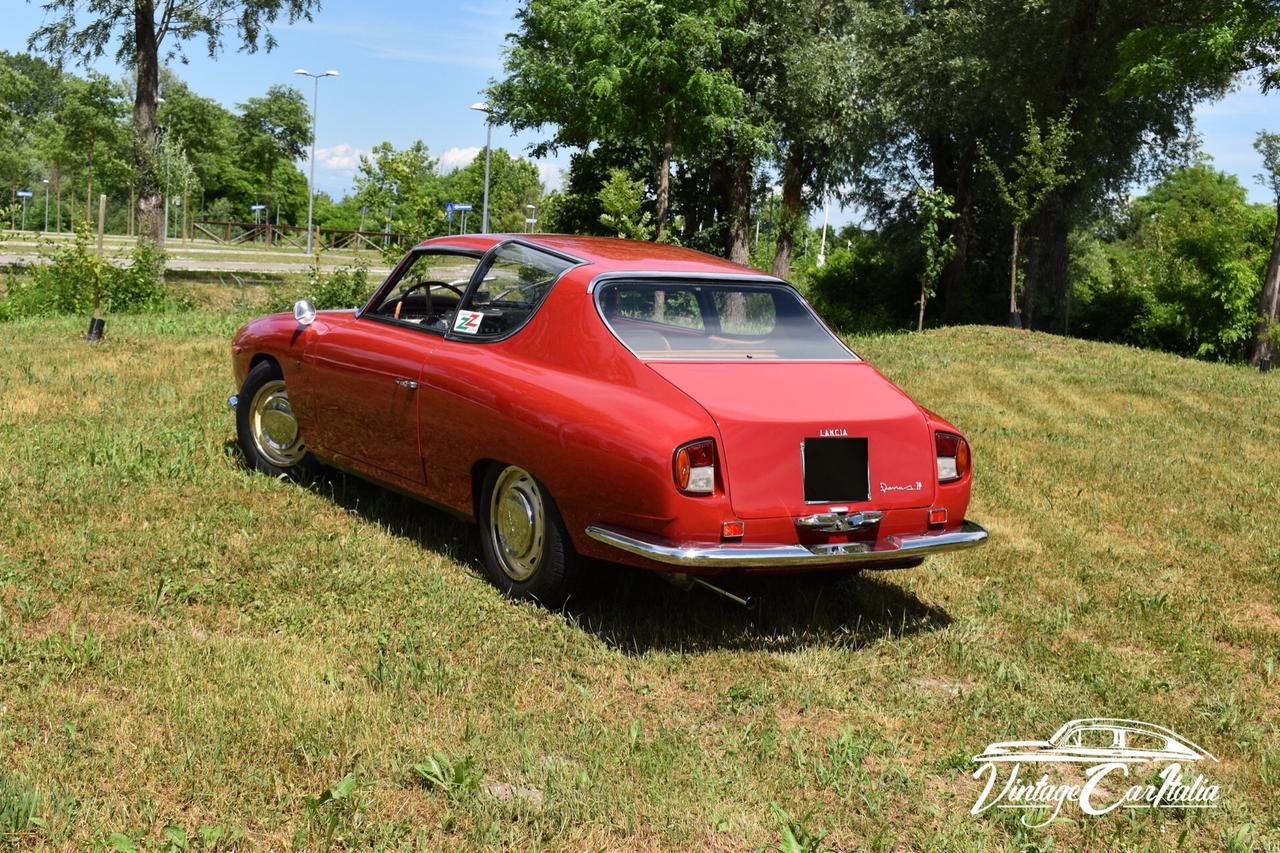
863,288
73,276
342,288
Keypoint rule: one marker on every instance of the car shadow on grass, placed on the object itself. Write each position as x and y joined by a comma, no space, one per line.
635,611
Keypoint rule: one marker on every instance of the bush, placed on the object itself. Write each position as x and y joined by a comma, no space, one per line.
73,276
342,288
862,288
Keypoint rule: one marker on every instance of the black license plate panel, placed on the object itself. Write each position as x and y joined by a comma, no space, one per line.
835,470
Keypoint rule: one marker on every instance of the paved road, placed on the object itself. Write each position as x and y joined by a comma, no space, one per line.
207,265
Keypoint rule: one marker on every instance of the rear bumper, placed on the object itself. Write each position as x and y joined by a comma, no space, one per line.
890,549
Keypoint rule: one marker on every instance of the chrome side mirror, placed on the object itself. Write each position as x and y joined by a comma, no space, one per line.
304,312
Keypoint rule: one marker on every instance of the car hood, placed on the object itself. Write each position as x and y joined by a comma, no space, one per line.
765,410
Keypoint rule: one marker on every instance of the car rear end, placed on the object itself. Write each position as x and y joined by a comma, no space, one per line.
817,460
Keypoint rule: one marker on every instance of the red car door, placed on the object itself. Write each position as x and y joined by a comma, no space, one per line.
364,371
363,385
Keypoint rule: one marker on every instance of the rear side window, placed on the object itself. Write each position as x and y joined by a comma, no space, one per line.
511,286
714,321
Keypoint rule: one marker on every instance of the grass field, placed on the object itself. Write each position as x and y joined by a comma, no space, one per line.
190,651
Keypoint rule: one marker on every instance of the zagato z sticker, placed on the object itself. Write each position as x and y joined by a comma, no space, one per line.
467,322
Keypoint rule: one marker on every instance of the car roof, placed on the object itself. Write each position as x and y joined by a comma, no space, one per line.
608,253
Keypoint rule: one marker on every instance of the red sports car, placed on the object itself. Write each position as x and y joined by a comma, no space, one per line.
589,397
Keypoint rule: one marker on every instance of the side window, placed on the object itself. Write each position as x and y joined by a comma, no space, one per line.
428,291
510,289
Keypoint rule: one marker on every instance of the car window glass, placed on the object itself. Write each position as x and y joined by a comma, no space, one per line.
751,314
671,307
428,291
716,321
511,287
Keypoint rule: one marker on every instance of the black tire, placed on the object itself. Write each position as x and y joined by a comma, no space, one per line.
541,566
265,385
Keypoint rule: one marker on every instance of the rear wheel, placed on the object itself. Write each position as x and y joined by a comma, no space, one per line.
527,553
266,428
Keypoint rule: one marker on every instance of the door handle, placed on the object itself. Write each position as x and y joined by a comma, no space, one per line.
406,383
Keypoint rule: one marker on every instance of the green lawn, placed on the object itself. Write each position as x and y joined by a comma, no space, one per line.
185,644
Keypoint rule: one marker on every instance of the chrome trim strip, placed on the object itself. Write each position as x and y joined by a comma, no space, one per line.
727,556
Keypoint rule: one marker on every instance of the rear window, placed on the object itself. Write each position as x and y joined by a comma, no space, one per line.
713,321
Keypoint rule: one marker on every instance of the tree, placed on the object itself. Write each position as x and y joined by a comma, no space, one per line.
139,30
623,200
820,130
1264,333
514,185
599,70
89,116
1038,170
935,208
274,129
402,189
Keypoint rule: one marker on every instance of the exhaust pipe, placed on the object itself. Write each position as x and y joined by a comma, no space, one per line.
688,582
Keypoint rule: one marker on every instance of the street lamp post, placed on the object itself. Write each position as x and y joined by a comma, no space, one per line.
46,205
532,219
481,106
822,251
315,108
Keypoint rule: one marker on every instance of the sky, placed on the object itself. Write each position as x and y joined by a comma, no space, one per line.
411,69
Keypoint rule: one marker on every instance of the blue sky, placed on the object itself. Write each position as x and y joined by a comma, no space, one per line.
410,70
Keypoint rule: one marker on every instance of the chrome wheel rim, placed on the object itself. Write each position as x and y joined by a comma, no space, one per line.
517,523
274,428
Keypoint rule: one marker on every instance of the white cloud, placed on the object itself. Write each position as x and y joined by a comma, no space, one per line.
550,173
456,158
342,157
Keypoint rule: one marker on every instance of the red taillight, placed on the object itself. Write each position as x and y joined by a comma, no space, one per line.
953,456
694,467
733,529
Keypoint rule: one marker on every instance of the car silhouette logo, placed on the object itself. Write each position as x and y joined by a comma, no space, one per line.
1090,741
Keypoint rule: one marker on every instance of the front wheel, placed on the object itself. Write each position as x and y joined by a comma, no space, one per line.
266,428
527,553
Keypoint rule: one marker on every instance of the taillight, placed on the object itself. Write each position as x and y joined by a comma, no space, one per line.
694,467
953,456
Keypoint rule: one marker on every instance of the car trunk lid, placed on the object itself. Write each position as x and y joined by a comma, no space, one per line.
765,411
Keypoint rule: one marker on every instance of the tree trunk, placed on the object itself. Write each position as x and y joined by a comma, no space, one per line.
1014,317
739,235
1047,282
953,172
924,294
1264,333
663,175
151,225
792,198
88,192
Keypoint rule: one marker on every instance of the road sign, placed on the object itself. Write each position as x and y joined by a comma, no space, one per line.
258,207
456,206
24,193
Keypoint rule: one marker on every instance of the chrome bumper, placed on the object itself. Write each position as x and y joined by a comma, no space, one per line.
729,556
